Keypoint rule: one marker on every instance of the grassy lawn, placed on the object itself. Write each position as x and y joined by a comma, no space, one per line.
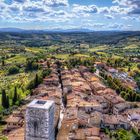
34,50
62,56
134,46
103,54
98,48
2,72
116,56
16,59
81,55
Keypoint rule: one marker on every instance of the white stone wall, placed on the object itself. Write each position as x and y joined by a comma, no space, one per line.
40,123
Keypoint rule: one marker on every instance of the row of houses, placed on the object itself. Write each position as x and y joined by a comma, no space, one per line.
79,121
91,106
115,105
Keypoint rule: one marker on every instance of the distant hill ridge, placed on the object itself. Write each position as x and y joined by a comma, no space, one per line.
58,36
44,30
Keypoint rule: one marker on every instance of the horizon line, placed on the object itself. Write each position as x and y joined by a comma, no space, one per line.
61,29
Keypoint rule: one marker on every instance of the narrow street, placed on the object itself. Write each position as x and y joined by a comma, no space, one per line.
62,109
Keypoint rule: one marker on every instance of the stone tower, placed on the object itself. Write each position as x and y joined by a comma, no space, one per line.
40,120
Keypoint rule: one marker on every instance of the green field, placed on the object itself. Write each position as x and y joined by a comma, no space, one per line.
98,48
133,46
16,59
34,50
62,56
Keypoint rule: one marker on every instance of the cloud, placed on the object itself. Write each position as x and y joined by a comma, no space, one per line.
132,18
113,10
14,9
127,2
109,16
119,10
133,5
2,7
66,14
104,10
99,25
91,9
116,26
33,9
56,3
135,11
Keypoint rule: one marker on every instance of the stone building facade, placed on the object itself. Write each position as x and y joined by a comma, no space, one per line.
40,120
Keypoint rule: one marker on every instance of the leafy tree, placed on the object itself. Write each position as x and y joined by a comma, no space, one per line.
46,72
118,90
59,64
138,66
123,93
92,69
31,64
13,70
137,97
127,97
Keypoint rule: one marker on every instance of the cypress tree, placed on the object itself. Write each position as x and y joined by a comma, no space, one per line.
3,62
7,102
3,99
36,80
15,98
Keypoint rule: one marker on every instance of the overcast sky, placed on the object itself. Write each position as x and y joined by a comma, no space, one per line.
68,14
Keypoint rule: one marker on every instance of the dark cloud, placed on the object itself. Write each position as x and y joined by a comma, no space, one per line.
14,9
133,5
135,11
134,2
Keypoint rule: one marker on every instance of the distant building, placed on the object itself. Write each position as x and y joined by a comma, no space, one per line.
114,122
112,70
40,120
99,65
14,122
118,108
